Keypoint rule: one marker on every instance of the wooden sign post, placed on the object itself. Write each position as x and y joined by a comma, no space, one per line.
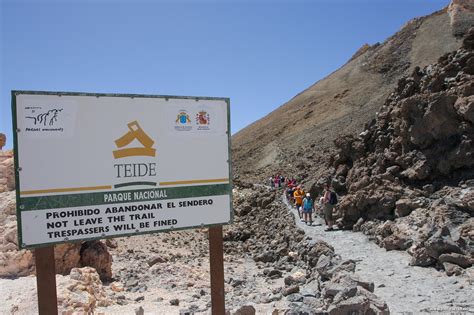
216,252
46,281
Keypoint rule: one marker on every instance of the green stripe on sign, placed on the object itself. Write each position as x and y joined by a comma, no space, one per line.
136,195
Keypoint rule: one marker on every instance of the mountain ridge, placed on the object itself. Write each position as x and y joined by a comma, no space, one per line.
345,100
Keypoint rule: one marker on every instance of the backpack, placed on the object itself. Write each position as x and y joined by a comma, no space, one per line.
308,203
333,198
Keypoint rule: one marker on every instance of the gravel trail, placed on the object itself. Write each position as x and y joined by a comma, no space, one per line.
406,289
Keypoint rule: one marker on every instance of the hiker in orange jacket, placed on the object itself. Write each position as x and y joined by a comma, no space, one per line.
299,195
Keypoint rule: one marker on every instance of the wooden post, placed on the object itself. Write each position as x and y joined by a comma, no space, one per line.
46,281
216,252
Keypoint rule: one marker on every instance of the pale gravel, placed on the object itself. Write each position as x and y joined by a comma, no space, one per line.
406,289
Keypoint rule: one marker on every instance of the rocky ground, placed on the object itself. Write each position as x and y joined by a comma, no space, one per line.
405,289
270,267
273,265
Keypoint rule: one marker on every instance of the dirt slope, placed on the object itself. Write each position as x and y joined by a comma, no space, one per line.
348,98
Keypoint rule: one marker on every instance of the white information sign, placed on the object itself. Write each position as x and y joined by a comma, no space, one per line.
93,166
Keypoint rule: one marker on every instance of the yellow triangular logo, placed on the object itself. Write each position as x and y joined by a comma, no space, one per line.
135,132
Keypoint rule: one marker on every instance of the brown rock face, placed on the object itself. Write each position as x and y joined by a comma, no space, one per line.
7,174
401,149
66,257
95,254
414,164
461,13
13,262
3,140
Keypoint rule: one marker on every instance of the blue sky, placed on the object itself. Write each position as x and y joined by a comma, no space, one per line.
258,53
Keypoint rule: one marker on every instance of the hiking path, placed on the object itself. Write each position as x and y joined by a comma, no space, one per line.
406,289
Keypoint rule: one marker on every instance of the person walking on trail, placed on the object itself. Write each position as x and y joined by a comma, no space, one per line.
271,182
282,180
330,199
308,209
321,209
291,193
298,195
277,181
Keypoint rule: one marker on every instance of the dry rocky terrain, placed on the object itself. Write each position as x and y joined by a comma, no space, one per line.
407,180
270,267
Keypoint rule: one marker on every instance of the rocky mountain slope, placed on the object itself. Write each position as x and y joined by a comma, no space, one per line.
345,100
414,166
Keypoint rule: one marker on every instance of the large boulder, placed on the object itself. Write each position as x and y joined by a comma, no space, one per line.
3,140
441,243
13,262
81,292
463,261
7,174
95,254
66,257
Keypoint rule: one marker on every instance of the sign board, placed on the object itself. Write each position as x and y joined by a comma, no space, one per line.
92,166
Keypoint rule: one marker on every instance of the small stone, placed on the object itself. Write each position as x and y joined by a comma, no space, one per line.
299,277
295,297
237,282
174,302
110,242
293,255
122,302
291,290
245,310
452,269
116,287
461,260
309,292
140,298
155,260
274,274
131,283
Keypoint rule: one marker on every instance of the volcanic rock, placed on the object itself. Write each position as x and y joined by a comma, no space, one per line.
245,310
3,140
452,269
66,257
427,116
82,291
95,254
463,261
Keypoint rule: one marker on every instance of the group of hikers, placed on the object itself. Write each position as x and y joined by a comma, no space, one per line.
303,201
